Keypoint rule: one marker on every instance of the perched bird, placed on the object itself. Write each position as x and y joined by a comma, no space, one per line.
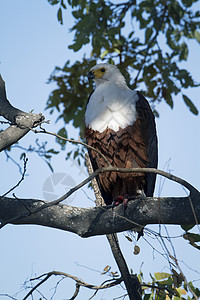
120,124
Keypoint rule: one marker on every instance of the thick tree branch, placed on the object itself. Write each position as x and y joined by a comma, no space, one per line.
21,122
88,222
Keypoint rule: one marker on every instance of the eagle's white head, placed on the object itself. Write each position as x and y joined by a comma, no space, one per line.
103,72
112,104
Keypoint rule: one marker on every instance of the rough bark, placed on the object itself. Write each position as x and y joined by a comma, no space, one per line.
93,221
20,121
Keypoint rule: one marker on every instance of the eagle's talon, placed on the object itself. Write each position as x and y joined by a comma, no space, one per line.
125,202
121,200
118,200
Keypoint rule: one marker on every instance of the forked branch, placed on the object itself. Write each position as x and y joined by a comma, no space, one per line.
20,121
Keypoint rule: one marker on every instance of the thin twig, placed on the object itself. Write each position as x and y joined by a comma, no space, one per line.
76,292
79,282
25,159
71,141
6,295
37,285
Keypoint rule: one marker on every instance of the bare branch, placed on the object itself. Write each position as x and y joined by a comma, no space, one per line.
25,159
91,221
76,292
72,141
79,282
21,122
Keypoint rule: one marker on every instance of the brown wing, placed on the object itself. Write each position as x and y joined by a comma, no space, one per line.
125,148
148,127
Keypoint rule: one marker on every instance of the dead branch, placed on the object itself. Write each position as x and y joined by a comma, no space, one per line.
25,160
79,282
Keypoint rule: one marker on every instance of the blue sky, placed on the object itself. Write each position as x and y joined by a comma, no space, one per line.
32,44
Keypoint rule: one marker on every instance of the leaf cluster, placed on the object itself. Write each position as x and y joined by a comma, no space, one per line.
130,34
166,286
192,238
163,286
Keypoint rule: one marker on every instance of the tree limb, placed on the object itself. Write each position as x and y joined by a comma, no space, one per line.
93,221
20,121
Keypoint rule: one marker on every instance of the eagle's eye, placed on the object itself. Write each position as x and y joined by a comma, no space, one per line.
102,69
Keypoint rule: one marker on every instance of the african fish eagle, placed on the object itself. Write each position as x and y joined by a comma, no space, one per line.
120,124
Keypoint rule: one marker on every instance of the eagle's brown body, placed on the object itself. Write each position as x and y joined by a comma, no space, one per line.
134,146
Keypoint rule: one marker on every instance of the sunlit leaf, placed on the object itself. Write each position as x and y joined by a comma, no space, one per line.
117,50
197,36
106,269
104,54
160,276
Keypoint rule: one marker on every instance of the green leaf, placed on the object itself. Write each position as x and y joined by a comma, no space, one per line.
148,34
147,296
63,133
191,106
183,52
131,34
53,2
187,3
187,227
160,276
104,53
197,36
117,50
59,16
63,4
193,238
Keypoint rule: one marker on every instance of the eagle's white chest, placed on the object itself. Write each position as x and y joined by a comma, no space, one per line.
111,106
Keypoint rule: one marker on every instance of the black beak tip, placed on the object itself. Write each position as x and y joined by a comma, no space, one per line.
90,76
